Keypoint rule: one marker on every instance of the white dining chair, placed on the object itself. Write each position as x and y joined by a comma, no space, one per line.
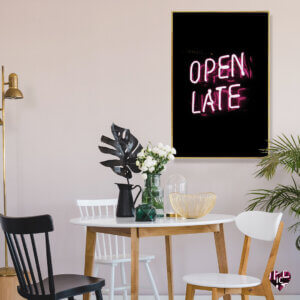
111,250
253,224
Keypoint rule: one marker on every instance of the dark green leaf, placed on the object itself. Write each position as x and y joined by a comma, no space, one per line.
126,147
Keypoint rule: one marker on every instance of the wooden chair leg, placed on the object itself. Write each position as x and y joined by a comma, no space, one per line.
245,297
90,246
98,295
215,295
221,254
190,292
268,292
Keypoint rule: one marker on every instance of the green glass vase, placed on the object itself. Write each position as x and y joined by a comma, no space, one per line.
145,213
153,194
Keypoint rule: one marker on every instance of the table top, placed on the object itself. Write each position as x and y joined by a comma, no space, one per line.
159,222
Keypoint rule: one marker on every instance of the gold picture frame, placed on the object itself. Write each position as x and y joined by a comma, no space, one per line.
172,86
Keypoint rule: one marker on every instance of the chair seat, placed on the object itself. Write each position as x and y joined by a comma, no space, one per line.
121,258
68,285
219,280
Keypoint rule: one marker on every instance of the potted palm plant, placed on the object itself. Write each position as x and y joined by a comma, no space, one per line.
283,151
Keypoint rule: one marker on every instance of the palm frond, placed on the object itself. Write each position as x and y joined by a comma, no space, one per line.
268,166
280,198
295,227
283,151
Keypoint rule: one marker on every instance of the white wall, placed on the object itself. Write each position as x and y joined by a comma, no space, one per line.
85,64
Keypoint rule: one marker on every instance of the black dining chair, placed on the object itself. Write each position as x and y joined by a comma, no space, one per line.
32,286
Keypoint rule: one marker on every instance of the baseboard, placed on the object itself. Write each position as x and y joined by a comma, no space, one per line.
203,297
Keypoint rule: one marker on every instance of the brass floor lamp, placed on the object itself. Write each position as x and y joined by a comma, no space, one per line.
12,93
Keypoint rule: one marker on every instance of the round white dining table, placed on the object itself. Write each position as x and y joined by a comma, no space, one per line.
167,227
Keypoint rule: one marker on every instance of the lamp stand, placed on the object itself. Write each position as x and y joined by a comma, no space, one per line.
5,271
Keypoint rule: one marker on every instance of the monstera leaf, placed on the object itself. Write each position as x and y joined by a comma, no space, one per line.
126,147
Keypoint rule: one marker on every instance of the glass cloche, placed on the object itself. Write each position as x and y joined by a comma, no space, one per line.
176,183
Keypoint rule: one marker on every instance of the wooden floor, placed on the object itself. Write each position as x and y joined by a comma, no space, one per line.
204,297
8,288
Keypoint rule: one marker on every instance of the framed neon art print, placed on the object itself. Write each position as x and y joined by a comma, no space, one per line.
220,84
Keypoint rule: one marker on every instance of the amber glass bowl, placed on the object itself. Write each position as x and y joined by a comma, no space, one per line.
193,206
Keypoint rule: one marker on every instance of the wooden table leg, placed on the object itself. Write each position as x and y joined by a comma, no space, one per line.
190,292
89,256
221,254
168,240
134,264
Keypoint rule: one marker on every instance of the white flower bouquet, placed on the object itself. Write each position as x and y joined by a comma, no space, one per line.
152,160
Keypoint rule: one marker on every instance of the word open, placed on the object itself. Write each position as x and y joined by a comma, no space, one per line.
222,81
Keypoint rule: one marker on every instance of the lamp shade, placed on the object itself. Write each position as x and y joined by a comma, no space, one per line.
13,92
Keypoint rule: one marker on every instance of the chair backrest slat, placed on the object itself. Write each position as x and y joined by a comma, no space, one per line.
108,235
49,265
116,245
15,262
16,230
81,212
98,248
86,211
25,272
29,265
37,264
109,245
116,237
102,235
106,245
123,246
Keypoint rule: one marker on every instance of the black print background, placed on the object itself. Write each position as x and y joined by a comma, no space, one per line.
238,133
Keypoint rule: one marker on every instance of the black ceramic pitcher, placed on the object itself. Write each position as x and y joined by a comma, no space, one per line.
125,207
